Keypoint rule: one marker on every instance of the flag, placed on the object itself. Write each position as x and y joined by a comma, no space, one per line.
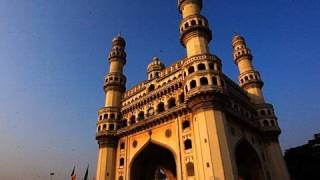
86,175
73,175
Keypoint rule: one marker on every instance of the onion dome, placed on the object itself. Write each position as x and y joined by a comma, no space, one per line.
118,41
238,39
154,68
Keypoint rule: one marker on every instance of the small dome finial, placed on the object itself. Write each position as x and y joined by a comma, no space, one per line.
237,38
118,40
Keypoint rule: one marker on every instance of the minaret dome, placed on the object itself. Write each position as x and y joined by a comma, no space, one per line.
154,68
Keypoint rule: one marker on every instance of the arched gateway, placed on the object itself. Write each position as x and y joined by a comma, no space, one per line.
153,162
248,163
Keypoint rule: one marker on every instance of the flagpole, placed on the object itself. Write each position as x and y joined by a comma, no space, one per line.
86,175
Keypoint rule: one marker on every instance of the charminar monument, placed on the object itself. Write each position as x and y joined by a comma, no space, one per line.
188,121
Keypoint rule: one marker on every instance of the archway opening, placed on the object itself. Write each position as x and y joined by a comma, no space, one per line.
248,163
154,162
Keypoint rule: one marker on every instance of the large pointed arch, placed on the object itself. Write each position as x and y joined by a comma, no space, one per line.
248,162
153,161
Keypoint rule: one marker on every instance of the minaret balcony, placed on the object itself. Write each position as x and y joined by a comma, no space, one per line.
109,114
264,110
108,138
270,132
267,120
242,52
205,96
194,25
203,89
115,79
117,54
251,77
106,127
203,57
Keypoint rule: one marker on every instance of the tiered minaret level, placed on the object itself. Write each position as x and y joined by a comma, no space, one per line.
249,78
202,70
110,115
204,89
251,82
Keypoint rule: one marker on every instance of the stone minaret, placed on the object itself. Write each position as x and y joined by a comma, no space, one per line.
204,89
110,114
249,78
251,82
195,34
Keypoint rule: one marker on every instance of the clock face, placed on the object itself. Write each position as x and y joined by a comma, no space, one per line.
150,111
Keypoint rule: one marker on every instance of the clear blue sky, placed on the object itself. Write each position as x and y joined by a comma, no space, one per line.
53,59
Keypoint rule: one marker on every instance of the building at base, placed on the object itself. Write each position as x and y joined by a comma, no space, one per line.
188,120
304,161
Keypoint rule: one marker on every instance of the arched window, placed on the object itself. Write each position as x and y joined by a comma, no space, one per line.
190,69
193,22
111,127
203,81
200,22
121,162
246,78
104,127
160,107
186,88
201,67
187,144
124,123
211,66
193,84
190,169
157,74
262,112
272,123
100,117
269,112
171,103
181,98
265,123
105,116
141,115
99,128
112,116
251,77
214,80
186,25
122,145
150,76
151,88
132,120
185,124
